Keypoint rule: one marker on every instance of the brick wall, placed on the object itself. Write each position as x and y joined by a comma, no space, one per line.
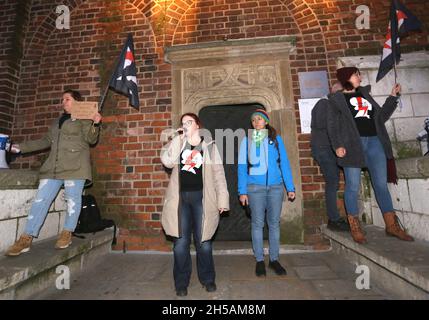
13,22
129,178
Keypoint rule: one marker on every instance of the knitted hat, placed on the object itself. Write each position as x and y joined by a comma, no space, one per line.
344,74
262,113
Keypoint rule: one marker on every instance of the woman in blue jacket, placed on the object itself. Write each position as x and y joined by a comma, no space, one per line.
263,168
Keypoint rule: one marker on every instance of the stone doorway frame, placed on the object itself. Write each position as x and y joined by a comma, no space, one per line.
235,72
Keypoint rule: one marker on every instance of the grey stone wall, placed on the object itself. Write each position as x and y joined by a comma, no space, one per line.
17,191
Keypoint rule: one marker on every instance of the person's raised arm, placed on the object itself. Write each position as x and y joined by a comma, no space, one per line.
391,103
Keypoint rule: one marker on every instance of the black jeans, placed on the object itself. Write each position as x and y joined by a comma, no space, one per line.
191,212
327,160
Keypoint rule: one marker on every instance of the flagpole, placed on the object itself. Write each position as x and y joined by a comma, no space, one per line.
396,81
103,98
106,91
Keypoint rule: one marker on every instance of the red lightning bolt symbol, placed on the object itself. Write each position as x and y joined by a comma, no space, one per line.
361,107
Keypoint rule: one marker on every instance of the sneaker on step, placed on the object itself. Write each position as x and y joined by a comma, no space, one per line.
64,241
22,245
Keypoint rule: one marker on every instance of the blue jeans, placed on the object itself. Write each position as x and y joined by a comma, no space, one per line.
48,190
190,219
327,160
375,159
265,198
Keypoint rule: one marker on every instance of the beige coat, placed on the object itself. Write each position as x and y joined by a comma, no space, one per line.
215,191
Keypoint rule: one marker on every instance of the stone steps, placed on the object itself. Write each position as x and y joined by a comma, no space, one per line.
32,272
399,267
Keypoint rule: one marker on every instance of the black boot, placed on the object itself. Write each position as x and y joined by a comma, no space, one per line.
277,267
181,292
260,269
339,225
210,287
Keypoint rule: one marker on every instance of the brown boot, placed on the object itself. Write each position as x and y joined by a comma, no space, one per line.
355,229
64,241
393,228
20,246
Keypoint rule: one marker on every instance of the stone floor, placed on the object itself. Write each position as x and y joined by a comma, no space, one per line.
149,276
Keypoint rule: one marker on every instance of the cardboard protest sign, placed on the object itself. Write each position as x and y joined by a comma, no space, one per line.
84,109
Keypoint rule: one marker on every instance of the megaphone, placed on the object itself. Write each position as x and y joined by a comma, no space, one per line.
4,142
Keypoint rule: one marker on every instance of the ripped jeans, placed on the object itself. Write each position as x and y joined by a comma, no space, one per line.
46,194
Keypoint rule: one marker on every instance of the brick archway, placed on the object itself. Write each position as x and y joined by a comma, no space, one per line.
303,16
37,46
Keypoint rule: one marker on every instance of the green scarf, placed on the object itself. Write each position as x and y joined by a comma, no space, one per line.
259,135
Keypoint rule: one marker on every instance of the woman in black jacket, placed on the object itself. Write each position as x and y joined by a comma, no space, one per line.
356,128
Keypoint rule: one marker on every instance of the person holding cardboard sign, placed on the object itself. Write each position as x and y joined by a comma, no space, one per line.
68,164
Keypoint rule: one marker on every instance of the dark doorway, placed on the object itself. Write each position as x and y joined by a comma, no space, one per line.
234,225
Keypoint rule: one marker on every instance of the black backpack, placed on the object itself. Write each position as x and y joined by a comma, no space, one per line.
90,220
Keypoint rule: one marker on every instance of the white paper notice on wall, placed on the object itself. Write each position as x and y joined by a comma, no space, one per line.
305,108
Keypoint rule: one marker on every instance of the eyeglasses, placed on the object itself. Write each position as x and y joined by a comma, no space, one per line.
187,123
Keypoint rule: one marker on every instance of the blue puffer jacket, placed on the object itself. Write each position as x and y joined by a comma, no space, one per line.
264,169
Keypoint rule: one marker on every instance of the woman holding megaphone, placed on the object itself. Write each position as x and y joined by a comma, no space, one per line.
68,164
196,195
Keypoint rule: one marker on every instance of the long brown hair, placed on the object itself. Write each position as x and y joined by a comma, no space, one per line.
272,133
